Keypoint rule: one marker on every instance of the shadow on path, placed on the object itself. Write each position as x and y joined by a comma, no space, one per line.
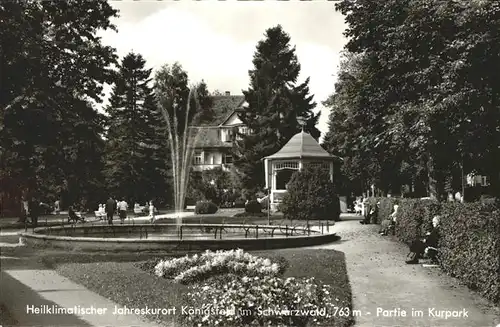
19,299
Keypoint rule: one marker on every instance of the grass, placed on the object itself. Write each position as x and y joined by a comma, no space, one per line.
125,279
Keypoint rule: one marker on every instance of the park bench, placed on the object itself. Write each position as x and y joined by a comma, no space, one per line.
139,210
79,216
100,215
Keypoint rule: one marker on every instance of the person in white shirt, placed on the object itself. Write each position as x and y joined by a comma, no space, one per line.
151,211
122,209
57,207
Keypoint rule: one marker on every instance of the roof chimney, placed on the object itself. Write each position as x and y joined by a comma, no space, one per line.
228,93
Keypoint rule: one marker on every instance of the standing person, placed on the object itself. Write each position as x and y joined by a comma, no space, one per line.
122,209
151,211
57,207
365,205
34,211
372,216
110,210
24,209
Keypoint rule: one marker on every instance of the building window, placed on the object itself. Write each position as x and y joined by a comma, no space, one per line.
197,158
228,159
244,130
286,164
484,181
227,135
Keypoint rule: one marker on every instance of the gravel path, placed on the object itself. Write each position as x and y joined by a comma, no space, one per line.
380,280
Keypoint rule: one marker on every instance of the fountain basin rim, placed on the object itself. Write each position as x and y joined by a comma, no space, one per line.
37,234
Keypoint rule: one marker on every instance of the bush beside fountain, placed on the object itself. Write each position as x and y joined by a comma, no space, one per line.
205,207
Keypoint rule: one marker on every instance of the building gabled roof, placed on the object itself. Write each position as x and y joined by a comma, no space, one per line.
223,107
231,114
301,145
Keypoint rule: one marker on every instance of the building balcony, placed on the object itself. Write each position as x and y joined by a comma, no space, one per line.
201,167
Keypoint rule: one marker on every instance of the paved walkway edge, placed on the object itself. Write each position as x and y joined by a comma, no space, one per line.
27,294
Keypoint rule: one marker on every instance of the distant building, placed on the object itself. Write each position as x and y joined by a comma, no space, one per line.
477,180
215,139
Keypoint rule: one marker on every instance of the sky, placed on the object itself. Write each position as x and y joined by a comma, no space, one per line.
215,41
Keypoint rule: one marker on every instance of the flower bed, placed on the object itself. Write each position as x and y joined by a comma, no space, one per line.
235,288
199,267
129,280
263,301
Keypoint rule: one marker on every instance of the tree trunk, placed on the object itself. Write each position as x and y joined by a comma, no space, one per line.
436,183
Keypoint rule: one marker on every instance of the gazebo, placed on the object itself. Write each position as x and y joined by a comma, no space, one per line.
302,150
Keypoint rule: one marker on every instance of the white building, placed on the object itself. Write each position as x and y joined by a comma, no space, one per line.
215,140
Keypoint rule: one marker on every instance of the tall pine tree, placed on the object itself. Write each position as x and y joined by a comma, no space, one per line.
133,168
275,101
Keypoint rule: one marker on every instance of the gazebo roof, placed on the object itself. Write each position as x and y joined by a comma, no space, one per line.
301,145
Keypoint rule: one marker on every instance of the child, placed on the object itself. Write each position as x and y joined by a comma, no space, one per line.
151,212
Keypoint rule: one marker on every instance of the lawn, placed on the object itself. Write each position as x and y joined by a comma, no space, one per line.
127,280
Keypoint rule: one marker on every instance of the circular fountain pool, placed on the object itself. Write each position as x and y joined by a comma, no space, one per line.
176,238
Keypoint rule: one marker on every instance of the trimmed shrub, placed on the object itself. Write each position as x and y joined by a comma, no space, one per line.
205,207
253,206
489,199
239,203
415,218
470,246
311,196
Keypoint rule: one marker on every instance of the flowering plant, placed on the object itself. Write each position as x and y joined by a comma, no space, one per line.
263,301
199,267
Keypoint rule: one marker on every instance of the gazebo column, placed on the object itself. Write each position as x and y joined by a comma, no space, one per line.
266,171
331,171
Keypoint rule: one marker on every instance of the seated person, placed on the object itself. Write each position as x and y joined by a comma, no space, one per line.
138,209
72,216
427,246
388,224
372,216
100,213
358,207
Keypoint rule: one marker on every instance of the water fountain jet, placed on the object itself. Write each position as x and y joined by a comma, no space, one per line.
182,144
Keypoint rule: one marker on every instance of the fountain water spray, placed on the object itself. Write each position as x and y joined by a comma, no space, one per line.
181,146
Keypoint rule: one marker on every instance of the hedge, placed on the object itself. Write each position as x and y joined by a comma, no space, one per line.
470,246
470,239
414,218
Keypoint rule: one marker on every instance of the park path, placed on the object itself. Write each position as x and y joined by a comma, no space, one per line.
380,279
25,284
